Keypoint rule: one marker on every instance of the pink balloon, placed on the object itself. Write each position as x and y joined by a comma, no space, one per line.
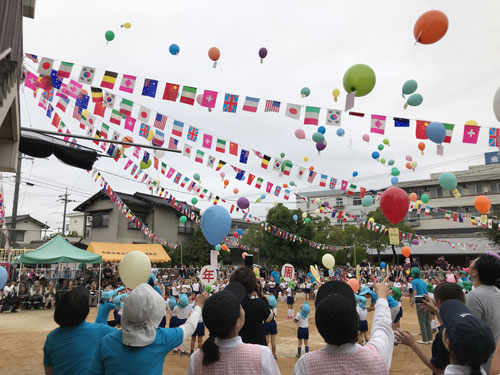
199,99
409,158
300,134
366,138
222,175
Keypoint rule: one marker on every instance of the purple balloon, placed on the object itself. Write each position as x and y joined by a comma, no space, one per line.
320,146
414,241
243,203
262,52
326,204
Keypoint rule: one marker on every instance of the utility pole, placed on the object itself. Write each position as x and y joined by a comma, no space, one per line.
64,198
13,223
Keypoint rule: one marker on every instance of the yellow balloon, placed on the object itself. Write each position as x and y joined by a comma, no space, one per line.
471,122
371,220
127,25
135,268
335,93
150,135
306,159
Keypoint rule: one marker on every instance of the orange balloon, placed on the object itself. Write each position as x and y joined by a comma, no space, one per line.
226,182
127,139
406,251
214,53
285,185
224,247
482,204
421,146
311,168
354,284
235,190
244,254
83,91
413,196
430,27
408,165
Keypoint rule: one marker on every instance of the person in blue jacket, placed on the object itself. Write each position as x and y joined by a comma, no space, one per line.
69,349
106,306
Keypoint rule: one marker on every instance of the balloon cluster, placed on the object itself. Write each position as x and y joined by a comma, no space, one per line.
319,138
409,87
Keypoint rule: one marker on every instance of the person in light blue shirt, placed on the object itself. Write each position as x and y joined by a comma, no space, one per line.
140,346
276,276
424,317
70,348
106,306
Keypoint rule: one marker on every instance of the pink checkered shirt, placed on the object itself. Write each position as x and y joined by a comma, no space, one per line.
367,360
244,360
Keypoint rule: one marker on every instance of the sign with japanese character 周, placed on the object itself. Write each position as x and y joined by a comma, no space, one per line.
288,272
208,275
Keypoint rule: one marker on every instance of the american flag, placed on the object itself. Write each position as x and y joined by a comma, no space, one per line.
32,57
272,106
160,121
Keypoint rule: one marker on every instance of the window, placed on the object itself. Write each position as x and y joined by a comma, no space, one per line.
133,226
436,192
494,187
186,228
479,189
100,220
356,201
339,201
19,236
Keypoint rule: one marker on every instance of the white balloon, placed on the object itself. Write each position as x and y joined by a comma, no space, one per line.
159,153
328,261
496,104
135,268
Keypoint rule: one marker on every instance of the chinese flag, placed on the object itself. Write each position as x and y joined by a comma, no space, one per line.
171,92
421,126
233,148
99,109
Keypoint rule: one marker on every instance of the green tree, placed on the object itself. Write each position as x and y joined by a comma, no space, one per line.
493,234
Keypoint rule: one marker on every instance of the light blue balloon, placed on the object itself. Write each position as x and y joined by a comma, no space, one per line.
448,181
215,224
367,201
394,180
415,100
382,264
340,132
218,247
322,130
263,196
291,183
410,86
390,162
375,155
239,231
174,49
436,132
354,174
3,277
295,218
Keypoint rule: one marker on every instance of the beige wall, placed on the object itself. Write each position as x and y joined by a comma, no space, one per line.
75,222
33,231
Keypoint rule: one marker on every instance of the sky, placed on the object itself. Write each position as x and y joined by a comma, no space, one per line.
310,44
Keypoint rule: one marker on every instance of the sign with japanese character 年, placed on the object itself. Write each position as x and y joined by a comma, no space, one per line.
288,272
208,275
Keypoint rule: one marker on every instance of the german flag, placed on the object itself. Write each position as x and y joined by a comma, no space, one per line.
109,79
265,161
96,94
220,165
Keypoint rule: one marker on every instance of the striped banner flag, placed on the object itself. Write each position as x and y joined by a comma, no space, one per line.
160,121
272,106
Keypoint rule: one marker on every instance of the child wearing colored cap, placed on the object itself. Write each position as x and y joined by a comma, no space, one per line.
106,306
363,314
302,320
198,334
182,311
172,302
290,300
271,328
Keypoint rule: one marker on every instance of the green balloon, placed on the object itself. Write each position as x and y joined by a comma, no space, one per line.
305,92
291,183
282,154
415,100
360,78
395,171
144,165
196,177
380,147
109,35
208,288
194,200
409,87
286,163
183,219
382,161
448,181
318,137
390,162
218,247
385,142
258,200
425,198
307,220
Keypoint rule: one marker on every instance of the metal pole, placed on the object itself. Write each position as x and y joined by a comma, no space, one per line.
99,295
40,131
13,223
181,255
64,214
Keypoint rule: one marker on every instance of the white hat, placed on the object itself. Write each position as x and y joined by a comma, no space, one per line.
143,311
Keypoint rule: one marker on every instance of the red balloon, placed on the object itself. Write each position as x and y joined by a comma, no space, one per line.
235,234
394,204
430,27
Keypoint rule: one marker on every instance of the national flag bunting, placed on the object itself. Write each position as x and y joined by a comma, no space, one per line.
72,89
45,66
109,79
312,175
86,75
188,95
199,156
420,130
96,93
149,87
220,146
272,106
221,164
56,80
171,92
311,116
62,103
471,134
333,117
177,128
209,99
158,138
265,161
230,103
251,104
109,99
293,111
172,144
128,83
233,148
116,117
351,189
161,121
130,123
192,134
244,156
65,69
144,114
126,107
493,135
400,122
207,140
82,100
449,132
377,124
144,130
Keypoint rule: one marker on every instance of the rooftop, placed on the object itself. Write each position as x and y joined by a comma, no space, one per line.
8,220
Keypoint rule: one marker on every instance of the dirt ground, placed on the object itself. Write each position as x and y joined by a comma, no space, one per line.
23,334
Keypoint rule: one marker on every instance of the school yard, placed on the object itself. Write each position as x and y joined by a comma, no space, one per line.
23,334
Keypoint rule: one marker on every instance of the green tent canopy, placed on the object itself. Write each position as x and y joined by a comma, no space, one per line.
58,250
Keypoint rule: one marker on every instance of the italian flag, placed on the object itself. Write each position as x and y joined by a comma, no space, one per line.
65,69
220,146
188,95
126,107
199,156
311,117
449,132
351,189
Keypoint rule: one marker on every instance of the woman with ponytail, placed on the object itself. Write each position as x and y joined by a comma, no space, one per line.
224,352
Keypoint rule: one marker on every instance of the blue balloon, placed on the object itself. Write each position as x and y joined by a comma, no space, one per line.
394,180
3,277
239,231
295,218
354,174
436,132
215,224
174,49
340,132
382,264
375,155
263,196
322,130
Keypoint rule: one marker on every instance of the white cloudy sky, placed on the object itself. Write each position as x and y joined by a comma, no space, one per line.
310,44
